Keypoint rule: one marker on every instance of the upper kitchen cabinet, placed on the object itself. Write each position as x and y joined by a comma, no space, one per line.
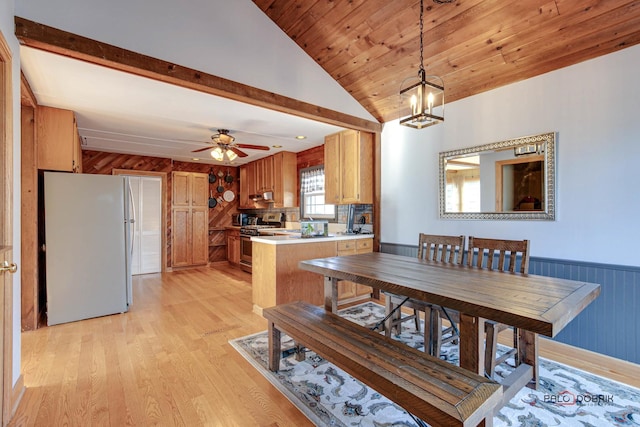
58,140
285,180
247,185
264,170
348,167
275,174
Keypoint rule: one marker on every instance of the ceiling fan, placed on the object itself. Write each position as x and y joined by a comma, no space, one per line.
225,146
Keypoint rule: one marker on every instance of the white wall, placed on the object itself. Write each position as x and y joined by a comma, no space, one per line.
593,107
7,29
230,39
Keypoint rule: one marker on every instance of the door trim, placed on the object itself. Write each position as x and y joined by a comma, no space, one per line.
6,230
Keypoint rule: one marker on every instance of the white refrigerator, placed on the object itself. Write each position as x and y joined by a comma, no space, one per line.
87,245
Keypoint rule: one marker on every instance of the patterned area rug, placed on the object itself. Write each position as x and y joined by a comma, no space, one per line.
328,396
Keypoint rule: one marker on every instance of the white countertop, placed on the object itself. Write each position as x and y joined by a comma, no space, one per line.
294,238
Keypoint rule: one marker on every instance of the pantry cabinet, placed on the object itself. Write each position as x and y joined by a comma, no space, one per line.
189,219
189,189
348,167
58,140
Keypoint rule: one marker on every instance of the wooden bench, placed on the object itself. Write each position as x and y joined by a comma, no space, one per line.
431,389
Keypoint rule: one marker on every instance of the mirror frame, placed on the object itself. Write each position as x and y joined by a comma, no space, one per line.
550,168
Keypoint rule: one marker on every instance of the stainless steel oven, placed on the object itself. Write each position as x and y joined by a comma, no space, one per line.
245,252
270,220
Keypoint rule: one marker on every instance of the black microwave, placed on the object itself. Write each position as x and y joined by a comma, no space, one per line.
239,219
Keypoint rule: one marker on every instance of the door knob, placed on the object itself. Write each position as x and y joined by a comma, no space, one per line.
11,268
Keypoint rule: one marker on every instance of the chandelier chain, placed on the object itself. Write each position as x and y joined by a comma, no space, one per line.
421,69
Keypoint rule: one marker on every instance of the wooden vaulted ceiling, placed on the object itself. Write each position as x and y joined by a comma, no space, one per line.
371,46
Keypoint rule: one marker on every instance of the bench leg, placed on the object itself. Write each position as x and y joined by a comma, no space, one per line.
274,348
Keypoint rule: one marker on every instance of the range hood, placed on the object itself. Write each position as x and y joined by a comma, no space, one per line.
264,197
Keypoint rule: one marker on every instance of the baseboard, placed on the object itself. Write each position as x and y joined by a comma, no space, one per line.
257,309
590,361
16,395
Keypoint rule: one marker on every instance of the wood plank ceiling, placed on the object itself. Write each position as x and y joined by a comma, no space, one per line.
371,46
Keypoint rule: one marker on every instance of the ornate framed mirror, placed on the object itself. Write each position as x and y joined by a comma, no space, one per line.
512,179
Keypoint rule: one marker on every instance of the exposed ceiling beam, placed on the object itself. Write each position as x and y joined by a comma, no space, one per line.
53,40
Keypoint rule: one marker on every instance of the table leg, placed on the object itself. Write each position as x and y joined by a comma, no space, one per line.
528,349
472,343
274,348
330,294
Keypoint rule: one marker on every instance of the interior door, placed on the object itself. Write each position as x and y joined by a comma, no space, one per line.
150,243
6,230
147,242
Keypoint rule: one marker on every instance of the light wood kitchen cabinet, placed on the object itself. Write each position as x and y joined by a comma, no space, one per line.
190,189
276,278
189,219
349,291
58,140
348,167
244,202
285,180
276,174
264,174
233,246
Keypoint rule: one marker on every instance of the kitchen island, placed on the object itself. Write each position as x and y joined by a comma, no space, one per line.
276,278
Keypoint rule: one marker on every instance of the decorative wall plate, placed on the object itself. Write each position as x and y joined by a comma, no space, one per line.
228,196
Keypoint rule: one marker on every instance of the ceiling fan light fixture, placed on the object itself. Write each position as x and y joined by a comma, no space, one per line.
217,154
223,137
421,98
231,155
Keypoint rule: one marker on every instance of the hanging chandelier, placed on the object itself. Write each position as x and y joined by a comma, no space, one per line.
422,98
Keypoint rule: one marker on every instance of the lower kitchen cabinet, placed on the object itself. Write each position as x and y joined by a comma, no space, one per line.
349,291
233,246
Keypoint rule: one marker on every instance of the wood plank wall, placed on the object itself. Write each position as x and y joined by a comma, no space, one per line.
98,162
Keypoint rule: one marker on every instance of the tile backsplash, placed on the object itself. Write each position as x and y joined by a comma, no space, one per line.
363,217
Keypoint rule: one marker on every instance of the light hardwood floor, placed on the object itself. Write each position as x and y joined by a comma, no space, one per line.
168,361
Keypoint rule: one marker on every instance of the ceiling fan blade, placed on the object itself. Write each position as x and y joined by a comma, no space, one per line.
201,149
238,152
253,147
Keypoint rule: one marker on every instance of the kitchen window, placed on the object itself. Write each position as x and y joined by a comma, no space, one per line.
312,204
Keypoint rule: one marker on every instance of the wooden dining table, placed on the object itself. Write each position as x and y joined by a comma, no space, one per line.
536,305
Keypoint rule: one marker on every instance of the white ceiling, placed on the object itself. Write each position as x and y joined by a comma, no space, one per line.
124,113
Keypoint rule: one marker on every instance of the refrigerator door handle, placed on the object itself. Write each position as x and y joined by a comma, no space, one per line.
132,219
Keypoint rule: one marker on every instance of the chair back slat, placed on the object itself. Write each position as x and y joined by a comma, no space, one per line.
447,249
507,251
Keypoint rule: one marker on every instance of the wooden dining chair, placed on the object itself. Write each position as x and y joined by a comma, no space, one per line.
445,249
506,256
